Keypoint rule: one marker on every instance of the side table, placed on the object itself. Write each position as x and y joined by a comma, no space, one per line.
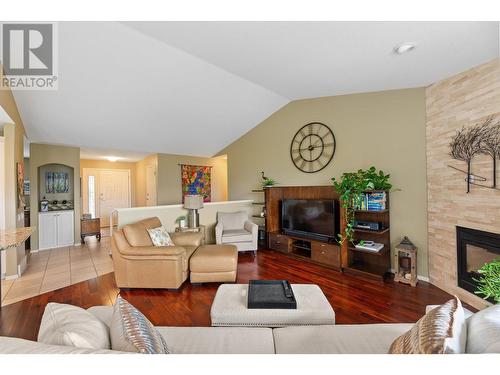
202,229
90,227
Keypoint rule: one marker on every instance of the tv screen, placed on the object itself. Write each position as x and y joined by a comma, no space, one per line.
309,217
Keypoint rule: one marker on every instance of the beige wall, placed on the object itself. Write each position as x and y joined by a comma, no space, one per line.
140,178
14,140
169,177
458,101
384,129
41,154
104,164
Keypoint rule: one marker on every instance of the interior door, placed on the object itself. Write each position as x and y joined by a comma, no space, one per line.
113,191
150,185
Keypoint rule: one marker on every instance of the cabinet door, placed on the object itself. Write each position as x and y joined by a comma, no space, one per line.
278,242
326,253
47,231
65,227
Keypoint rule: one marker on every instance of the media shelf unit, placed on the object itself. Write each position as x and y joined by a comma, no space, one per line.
365,262
262,219
324,253
344,258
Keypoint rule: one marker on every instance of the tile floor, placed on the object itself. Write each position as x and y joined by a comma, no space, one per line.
57,268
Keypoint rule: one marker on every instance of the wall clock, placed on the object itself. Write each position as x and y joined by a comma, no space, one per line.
313,147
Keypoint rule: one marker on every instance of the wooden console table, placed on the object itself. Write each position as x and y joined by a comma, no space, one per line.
11,238
90,227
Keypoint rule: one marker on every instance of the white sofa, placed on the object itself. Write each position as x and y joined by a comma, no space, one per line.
483,336
235,228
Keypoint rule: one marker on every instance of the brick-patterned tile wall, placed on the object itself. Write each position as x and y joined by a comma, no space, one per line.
462,100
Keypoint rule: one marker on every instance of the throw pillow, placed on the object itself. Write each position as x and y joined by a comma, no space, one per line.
131,331
441,331
160,237
69,325
483,331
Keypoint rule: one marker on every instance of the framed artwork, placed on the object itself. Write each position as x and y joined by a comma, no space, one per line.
56,182
196,180
20,185
27,187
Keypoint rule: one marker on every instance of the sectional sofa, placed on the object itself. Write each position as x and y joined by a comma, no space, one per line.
483,336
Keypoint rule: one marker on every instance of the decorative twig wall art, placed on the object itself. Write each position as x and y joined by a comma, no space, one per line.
480,139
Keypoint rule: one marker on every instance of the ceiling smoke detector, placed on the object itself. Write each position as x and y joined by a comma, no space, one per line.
404,48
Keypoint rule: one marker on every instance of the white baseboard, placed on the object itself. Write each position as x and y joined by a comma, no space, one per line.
423,278
78,244
11,277
419,277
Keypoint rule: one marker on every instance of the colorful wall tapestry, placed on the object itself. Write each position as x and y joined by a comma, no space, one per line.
56,182
20,185
196,180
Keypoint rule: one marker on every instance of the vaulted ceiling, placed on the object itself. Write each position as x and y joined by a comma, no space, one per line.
194,87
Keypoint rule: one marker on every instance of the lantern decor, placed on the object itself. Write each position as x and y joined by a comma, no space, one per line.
405,262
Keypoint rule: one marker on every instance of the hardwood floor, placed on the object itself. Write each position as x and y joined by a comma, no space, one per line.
355,300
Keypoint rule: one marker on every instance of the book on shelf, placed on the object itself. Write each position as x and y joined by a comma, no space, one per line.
372,201
370,246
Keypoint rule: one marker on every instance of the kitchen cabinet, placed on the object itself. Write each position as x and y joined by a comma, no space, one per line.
55,229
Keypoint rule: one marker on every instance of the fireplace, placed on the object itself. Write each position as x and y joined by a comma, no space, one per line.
474,248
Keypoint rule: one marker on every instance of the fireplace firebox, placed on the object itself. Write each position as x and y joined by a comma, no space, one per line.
474,249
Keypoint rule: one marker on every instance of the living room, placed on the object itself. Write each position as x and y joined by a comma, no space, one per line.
254,193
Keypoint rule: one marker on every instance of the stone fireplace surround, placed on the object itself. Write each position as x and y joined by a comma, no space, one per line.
461,100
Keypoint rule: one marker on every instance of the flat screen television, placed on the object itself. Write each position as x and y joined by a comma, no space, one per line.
310,218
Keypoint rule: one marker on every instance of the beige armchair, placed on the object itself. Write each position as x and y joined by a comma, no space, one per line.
235,228
139,264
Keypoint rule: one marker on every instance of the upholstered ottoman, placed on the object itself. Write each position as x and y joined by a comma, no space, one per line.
230,308
214,263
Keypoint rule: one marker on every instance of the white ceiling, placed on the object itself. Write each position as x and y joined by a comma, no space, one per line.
312,59
194,87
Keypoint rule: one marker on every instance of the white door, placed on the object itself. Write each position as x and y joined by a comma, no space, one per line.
113,191
47,230
150,185
65,233
104,190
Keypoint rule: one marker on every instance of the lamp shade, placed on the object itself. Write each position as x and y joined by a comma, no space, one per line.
193,202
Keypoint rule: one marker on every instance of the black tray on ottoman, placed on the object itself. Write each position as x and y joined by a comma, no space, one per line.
270,294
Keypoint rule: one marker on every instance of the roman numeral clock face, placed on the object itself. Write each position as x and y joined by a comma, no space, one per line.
312,147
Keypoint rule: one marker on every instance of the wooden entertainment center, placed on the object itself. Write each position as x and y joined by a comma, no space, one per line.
344,258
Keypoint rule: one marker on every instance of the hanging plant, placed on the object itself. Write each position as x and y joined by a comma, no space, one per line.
350,187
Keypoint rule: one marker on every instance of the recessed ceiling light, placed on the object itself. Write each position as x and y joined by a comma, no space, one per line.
404,48
112,158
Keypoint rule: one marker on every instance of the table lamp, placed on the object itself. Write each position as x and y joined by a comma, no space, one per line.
193,203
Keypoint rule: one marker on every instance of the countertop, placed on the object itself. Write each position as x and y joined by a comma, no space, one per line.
14,237
56,210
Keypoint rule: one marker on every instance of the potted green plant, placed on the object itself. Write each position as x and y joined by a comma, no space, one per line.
267,181
489,282
350,187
